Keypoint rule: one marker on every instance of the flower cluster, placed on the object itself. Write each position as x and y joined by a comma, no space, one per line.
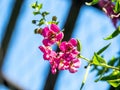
67,57
108,8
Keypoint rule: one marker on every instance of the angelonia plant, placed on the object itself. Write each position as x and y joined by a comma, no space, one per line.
69,57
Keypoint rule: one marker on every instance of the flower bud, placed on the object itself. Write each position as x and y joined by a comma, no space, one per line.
38,31
54,18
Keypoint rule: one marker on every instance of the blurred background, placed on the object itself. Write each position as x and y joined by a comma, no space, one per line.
21,62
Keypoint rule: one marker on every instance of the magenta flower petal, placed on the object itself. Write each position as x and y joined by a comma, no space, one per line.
63,46
60,36
46,42
42,48
54,28
75,52
73,41
45,31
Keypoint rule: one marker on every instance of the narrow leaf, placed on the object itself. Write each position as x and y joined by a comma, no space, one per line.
79,46
36,12
113,79
117,7
114,34
114,75
92,3
103,71
103,49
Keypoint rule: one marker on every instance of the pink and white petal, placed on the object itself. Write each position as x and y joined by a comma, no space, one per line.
54,28
46,56
60,36
73,41
53,70
45,32
61,66
72,69
76,63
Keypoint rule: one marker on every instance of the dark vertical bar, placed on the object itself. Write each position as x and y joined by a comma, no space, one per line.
6,39
9,30
69,26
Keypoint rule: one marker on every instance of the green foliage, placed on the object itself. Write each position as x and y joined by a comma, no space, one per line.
117,6
37,11
98,60
37,6
79,46
103,49
34,21
113,79
44,13
92,3
114,34
41,22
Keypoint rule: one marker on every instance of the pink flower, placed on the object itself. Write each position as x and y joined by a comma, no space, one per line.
52,35
63,63
66,59
108,7
48,52
72,65
50,55
69,48
68,56
75,63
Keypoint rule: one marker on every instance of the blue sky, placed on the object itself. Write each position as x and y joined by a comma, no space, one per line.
24,64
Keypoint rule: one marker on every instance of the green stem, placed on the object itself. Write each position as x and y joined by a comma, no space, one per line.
112,67
84,58
85,77
106,66
101,75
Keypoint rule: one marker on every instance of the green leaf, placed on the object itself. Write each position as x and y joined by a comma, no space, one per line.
112,61
114,83
45,13
41,22
39,6
113,79
114,34
103,49
33,5
114,75
98,60
36,12
92,3
79,46
117,7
